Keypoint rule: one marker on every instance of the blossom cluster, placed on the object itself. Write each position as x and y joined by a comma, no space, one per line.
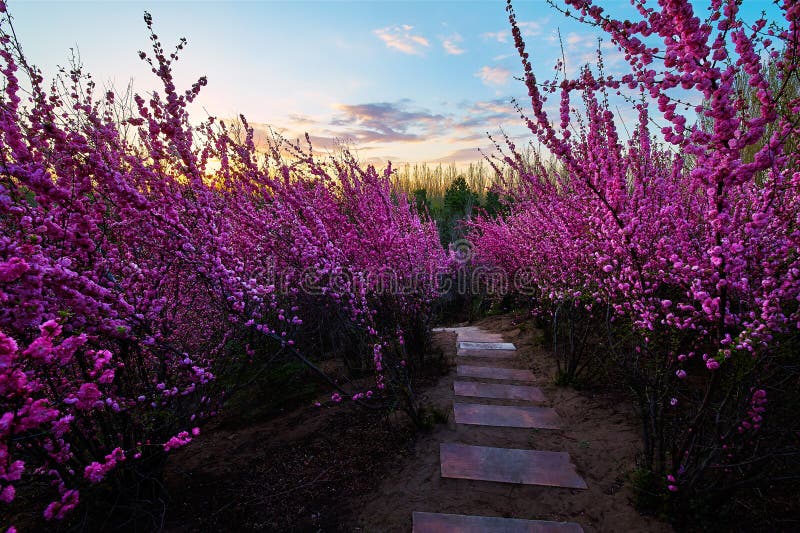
686,234
135,250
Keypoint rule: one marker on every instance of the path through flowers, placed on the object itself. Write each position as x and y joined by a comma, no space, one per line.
486,463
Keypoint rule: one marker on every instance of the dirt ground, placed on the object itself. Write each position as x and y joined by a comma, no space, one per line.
342,469
297,472
599,433
303,470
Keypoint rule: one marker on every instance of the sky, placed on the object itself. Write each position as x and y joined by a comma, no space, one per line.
402,81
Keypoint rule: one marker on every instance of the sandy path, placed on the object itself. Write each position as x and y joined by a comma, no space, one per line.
599,434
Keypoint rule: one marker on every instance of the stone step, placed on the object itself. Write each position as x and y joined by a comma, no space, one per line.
511,416
491,372
457,523
500,391
488,354
467,345
504,465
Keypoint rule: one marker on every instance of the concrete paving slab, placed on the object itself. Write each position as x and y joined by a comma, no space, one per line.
465,345
504,465
500,391
513,416
491,372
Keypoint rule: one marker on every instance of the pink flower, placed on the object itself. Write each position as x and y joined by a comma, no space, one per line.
94,472
178,441
58,510
51,328
88,396
7,494
13,269
40,349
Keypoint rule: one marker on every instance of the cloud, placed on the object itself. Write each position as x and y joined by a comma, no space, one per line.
483,113
583,40
470,137
386,121
499,36
478,118
581,49
450,44
493,75
300,119
527,28
531,28
400,38
464,155
365,136
402,128
264,133
498,106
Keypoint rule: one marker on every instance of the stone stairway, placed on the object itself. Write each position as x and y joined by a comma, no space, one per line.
530,467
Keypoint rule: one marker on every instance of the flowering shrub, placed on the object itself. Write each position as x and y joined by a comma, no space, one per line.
138,253
684,250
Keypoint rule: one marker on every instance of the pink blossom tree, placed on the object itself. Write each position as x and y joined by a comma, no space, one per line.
682,244
133,272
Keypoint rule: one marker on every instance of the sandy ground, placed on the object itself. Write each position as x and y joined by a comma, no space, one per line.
599,433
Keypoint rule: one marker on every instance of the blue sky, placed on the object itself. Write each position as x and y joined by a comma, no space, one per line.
406,81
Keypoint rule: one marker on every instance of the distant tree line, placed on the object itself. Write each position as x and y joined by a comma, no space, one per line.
450,195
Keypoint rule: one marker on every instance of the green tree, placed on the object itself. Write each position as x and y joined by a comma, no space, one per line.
494,207
422,203
459,198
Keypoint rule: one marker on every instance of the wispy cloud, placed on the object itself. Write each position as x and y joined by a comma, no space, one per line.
401,38
386,121
476,118
581,49
451,44
528,28
300,119
532,28
499,36
402,128
583,40
501,57
464,155
493,76
484,113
